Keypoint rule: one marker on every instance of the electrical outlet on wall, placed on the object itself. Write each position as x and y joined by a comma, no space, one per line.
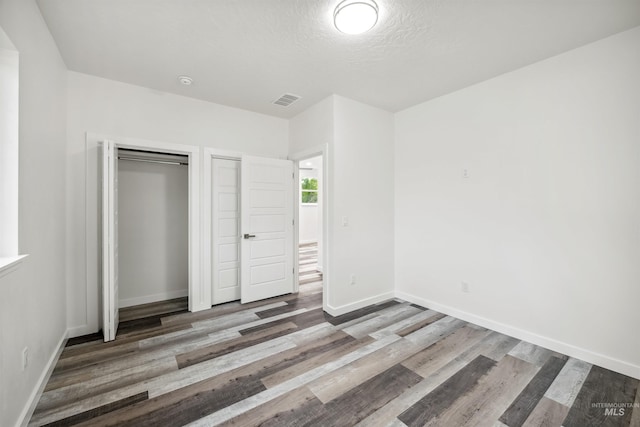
464,287
353,280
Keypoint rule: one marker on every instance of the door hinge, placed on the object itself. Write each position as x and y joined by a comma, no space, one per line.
293,271
293,222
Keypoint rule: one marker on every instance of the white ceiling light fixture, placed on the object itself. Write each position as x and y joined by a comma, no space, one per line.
355,16
185,80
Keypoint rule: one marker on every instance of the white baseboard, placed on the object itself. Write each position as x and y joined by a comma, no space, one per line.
30,406
594,358
146,299
347,308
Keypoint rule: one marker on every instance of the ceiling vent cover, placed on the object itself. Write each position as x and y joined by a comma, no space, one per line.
286,99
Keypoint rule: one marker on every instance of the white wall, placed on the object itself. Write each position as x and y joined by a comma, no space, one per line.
153,202
546,228
313,127
360,140
32,305
362,153
107,107
309,230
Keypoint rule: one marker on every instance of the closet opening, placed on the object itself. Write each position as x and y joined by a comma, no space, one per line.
153,235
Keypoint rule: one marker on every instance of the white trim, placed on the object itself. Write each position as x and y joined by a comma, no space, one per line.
222,154
316,151
324,151
296,228
616,365
162,296
347,308
109,240
30,406
10,264
10,146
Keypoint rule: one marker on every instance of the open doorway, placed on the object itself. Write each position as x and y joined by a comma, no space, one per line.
310,224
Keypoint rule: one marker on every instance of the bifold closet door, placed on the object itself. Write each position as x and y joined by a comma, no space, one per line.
110,310
225,225
267,228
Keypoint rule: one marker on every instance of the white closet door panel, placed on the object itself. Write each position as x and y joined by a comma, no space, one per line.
110,309
228,227
263,198
229,278
268,223
228,253
228,174
263,275
268,248
227,202
225,249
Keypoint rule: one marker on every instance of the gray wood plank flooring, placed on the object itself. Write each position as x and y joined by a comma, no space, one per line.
284,362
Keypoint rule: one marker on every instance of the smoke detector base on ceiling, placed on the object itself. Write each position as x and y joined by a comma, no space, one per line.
286,99
185,80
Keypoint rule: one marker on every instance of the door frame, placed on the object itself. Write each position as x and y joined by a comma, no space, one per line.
207,215
320,150
196,291
110,235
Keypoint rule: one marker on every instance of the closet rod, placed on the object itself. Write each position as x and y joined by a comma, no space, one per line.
164,162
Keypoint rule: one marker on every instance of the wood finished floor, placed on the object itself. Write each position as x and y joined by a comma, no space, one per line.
284,362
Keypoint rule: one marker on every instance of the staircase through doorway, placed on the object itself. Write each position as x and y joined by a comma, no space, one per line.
308,263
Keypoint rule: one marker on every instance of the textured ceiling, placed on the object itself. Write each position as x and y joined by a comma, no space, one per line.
246,53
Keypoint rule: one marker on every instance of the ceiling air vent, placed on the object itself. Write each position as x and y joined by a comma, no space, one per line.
286,99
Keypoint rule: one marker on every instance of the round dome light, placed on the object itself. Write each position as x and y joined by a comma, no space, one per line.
355,16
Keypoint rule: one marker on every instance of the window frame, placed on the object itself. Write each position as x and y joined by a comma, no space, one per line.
9,154
304,190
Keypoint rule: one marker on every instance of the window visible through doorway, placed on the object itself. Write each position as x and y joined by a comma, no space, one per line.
309,191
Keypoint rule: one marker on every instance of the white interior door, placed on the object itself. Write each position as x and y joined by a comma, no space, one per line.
109,240
267,228
226,230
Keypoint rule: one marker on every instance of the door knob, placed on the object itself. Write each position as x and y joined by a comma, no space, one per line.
248,236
